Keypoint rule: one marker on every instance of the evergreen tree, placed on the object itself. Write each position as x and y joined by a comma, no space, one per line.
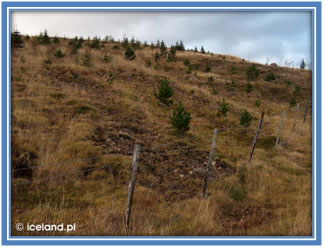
180,120
86,60
165,92
202,50
252,72
163,49
172,53
292,102
246,119
125,42
195,50
129,53
157,56
43,38
223,108
181,46
95,43
16,40
56,40
249,88
59,54
302,64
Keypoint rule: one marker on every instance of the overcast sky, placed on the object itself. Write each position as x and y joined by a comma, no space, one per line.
255,36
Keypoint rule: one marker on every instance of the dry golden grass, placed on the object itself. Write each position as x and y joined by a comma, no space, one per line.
79,126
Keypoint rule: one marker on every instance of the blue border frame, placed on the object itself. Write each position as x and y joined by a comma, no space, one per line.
66,240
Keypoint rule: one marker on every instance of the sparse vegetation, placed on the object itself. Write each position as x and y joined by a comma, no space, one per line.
87,116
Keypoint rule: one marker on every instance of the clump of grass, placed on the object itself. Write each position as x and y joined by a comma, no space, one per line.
57,95
82,109
59,54
208,68
237,192
252,72
270,77
249,87
223,108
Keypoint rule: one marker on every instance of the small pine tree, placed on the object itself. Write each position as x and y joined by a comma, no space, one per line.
181,46
86,60
157,56
152,45
59,54
75,45
180,120
249,88
44,39
172,53
148,63
165,92
293,101
56,40
270,77
186,62
195,50
95,43
252,72
190,69
16,40
208,69
129,53
163,49
107,58
302,64
210,80
246,119
125,42
296,90
223,108
202,50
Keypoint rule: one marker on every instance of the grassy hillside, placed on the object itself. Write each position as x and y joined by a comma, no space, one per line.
74,128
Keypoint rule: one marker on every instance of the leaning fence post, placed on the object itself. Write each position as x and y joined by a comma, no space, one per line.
306,109
296,117
280,128
131,186
256,137
210,160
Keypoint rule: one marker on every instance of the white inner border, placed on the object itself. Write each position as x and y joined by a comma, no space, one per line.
170,8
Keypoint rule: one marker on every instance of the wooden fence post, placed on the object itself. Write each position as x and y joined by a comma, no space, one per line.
131,186
210,160
306,109
280,128
255,138
296,117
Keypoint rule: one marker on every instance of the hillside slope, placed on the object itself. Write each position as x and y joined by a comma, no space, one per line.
74,128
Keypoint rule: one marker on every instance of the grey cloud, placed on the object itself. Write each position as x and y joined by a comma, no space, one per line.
251,35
